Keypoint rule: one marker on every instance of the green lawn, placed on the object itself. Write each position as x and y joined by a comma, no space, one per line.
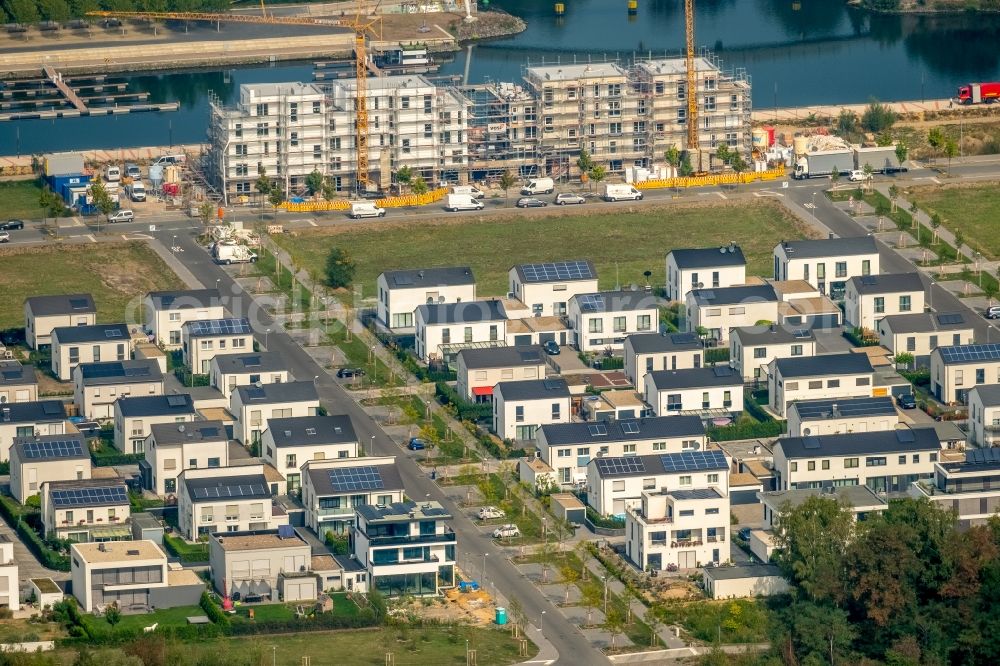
20,199
357,354
972,210
188,552
117,275
628,243
166,617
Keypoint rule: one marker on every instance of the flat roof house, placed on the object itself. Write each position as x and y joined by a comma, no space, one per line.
168,311
73,345
704,268
721,310
845,375
333,489
884,460
957,369
969,487
862,501
602,320
755,580
86,510
521,407
134,416
826,264
35,460
43,313
272,564
401,292
227,499
921,333
170,448
839,415
646,352
569,447
752,348
546,288
227,371
289,443
252,406
707,392
871,297
96,386
479,370
30,419
18,383
202,339
444,329
984,415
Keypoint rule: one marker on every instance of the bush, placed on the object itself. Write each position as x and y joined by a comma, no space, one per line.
746,429
610,363
608,522
717,355
860,338
212,611
464,410
12,513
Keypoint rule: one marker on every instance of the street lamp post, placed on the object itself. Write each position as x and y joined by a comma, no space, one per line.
274,655
266,331
371,448
605,578
541,623
484,568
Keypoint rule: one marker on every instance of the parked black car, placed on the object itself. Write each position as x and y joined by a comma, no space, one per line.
10,225
906,401
551,347
346,373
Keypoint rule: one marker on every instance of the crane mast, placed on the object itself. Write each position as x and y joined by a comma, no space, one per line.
692,82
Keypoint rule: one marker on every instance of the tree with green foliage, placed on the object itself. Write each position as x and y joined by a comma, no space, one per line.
592,598
936,138
329,189
722,153
102,198
685,169
404,175
834,177
901,152
614,624
893,195
598,173
820,632
811,540
206,211
23,11
419,185
570,576
990,291
585,162
339,271
904,359
935,225
54,10
959,241
673,156
314,182
846,123
883,140
113,615
276,197
507,181
950,150
546,554
877,117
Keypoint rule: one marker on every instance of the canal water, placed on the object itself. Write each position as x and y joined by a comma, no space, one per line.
797,52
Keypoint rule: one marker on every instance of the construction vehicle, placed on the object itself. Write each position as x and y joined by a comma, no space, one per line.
692,84
978,93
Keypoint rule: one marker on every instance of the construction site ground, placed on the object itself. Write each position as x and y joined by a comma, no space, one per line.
473,608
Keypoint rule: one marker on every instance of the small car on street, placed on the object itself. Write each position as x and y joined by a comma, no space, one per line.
530,202
508,531
551,347
11,225
123,215
491,512
906,401
569,198
416,444
4,237
347,373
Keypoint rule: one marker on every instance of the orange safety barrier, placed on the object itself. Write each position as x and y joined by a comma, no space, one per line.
715,179
389,202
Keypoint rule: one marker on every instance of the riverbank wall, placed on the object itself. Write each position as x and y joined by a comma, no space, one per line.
800,114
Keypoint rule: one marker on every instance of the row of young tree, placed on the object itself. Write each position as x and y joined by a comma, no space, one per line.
33,11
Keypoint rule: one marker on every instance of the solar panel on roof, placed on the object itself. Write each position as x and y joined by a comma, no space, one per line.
112,333
551,384
810,442
366,477
52,408
78,303
690,461
255,393
402,280
286,531
946,319
722,371
98,370
802,333
591,303
89,496
208,433
905,436
869,280
176,400
560,270
230,490
708,294
619,466
141,371
251,361
597,429
681,338
12,374
970,353
60,448
986,456
219,327
630,427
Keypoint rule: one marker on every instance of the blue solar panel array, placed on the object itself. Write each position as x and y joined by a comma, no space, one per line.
970,353
694,461
69,448
231,490
366,477
89,496
559,270
620,466
591,303
220,327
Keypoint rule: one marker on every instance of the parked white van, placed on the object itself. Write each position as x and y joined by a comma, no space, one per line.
361,209
621,192
462,202
113,173
136,191
539,186
474,192
171,159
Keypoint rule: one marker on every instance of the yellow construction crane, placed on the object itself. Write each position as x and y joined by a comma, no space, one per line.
692,83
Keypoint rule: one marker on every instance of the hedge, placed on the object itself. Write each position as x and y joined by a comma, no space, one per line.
717,355
610,363
604,521
49,558
464,410
859,339
746,430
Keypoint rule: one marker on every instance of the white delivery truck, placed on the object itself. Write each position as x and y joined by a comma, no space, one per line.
539,186
621,192
233,253
113,173
360,209
462,202
473,192
136,191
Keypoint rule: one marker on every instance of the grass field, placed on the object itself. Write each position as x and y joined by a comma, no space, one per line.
20,199
627,242
972,210
116,274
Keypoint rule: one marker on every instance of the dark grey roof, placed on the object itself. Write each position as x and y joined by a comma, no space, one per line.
95,333
655,343
751,293
401,510
556,271
989,394
708,257
720,375
12,373
195,432
664,463
46,306
460,313
847,363
119,372
503,357
860,443
349,564
282,392
184,299
533,389
926,322
615,301
855,496
743,571
965,354
250,363
88,492
752,336
51,447
600,432
976,460
30,412
422,278
322,486
889,283
179,404
312,430
845,408
697,494
216,488
830,247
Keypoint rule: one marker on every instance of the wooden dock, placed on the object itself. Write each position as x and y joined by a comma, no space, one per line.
70,94
90,111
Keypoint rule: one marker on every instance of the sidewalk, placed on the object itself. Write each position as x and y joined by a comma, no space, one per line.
943,233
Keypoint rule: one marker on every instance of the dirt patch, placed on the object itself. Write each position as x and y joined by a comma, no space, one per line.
472,608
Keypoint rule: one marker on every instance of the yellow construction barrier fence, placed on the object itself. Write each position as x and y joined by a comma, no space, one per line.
713,179
389,202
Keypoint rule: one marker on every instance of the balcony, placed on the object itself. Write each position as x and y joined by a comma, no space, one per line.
448,535
339,511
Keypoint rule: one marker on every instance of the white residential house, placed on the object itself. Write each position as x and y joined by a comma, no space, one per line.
73,345
984,415
401,292
86,510
272,564
409,549
721,310
444,329
521,407
862,500
43,313
18,383
546,288
35,460
715,392
884,460
871,297
225,499
646,352
30,419
134,416
752,348
96,386
602,320
844,375
227,371
333,489
288,443
202,339
969,487
826,264
170,448
168,311
479,370
10,593
569,447
955,370
253,406
704,268
921,333
841,415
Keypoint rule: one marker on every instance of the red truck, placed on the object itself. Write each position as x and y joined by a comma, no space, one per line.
978,93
